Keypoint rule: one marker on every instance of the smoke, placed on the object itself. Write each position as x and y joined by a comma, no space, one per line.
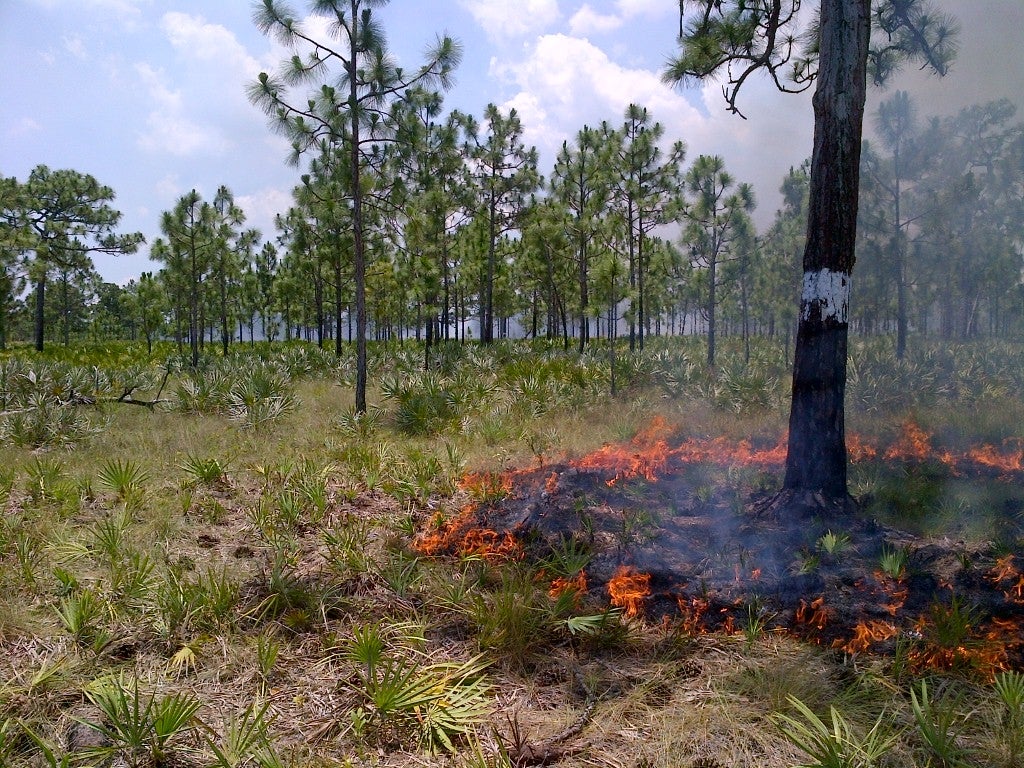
988,66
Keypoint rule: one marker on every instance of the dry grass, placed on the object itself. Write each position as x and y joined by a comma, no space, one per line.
648,698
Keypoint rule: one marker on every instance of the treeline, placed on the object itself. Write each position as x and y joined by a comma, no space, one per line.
465,239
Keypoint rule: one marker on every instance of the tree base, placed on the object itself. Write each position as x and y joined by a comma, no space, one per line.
803,505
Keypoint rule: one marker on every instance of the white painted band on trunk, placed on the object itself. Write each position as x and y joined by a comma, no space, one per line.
830,292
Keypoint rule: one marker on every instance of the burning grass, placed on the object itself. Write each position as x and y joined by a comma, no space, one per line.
665,548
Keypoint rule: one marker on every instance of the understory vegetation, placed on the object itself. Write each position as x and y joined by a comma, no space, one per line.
219,566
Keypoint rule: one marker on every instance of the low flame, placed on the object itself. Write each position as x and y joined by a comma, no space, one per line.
577,586
988,456
649,455
693,610
1007,576
867,634
652,454
914,444
628,589
814,615
461,536
858,450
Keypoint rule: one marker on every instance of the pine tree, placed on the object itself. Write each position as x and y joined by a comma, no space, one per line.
581,182
63,218
738,38
190,229
717,218
358,80
505,174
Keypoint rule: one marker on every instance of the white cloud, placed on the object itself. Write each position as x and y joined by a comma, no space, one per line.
25,126
262,206
74,45
200,41
169,130
566,82
503,19
630,8
587,21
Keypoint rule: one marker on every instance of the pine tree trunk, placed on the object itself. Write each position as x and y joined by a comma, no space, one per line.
338,327
816,461
40,319
487,318
712,301
358,245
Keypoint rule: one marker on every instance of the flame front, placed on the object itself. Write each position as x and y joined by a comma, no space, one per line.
814,615
650,455
577,586
1006,576
628,589
867,634
462,536
914,444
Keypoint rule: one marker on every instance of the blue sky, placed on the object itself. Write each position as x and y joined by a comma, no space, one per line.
149,96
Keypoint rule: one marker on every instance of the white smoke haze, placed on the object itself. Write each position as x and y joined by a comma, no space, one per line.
989,65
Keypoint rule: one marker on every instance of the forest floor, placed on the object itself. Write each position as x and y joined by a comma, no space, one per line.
592,582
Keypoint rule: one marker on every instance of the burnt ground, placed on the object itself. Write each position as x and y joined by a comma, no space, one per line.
715,561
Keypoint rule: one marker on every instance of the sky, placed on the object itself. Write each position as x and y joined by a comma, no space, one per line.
149,97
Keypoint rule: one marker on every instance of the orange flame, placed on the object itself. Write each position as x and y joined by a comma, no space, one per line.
814,615
914,443
983,652
729,625
894,590
628,588
576,585
988,456
858,450
649,454
865,635
463,537
693,610
1005,575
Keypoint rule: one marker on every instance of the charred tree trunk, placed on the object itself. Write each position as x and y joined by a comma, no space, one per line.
816,459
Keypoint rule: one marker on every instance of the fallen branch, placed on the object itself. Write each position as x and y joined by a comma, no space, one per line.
550,750
134,401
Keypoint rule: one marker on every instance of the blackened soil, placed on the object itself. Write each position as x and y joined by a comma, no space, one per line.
730,563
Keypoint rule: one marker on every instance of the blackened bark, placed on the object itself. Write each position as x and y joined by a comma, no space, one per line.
816,461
